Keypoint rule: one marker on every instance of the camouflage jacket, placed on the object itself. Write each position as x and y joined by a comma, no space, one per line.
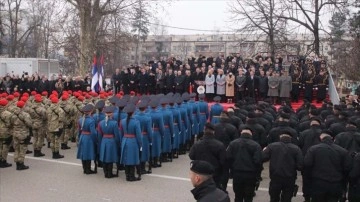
38,115
55,118
5,123
21,122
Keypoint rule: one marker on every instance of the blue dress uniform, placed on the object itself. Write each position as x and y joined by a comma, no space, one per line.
109,138
158,132
215,111
168,132
204,113
147,133
99,116
87,140
119,114
177,127
185,125
189,117
195,116
131,143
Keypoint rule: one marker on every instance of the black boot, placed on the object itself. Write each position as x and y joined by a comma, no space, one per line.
100,164
149,171
48,144
41,154
21,166
73,139
84,166
142,167
28,152
138,169
88,170
56,155
11,149
106,172
120,166
64,146
5,164
110,170
37,153
127,173
132,173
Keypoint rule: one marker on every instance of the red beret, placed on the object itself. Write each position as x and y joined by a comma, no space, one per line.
38,99
3,95
122,93
44,93
95,94
64,97
118,95
26,94
33,92
69,91
10,97
54,92
102,96
54,100
20,104
81,98
87,96
132,93
24,99
16,94
3,102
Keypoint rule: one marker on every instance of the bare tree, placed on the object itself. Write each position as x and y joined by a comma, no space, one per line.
260,17
90,13
307,13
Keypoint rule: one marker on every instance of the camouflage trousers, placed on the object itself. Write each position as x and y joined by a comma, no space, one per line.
4,147
64,138
38,138
55,141
20,147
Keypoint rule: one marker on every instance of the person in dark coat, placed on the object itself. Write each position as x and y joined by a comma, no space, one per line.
340,125
205,188
283,125
116,80
349,139
143,79
245,168
109,139
285,159
309,84
327,164
179,82
258,131
212,151
170,81
263,85
322,83
225,132
133,81
354,179
252,83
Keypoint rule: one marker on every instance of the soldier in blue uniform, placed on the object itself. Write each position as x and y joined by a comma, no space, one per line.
87,139
185,125
168,132
178,125
119,115
195,112
131,143
109,139
99,116
204,114
158,132
188,107
146,131
216,110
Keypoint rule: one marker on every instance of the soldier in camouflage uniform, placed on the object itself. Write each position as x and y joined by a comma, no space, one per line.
68,124
38,115
5,135
22,123
56,119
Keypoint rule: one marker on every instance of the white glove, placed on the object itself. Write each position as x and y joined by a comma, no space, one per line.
140,148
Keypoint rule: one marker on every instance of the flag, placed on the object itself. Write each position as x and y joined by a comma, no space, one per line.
97,73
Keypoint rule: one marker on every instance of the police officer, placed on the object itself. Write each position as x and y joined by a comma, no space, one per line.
350,139
354,179
283,125
245,160
225,132
327,164
109,139
21,123
285,159
213,151
56,119
131,143
87,140
5,135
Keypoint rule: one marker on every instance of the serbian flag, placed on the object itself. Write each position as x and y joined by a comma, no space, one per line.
97,73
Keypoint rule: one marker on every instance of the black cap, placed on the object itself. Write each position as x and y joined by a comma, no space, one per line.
285,115
352,122
202,167
327,131
286,132
88,108
209,126
337,107
314,112
130,108
316,119
217,98
100,104
109,109
201,96
121,103
251,115
260,109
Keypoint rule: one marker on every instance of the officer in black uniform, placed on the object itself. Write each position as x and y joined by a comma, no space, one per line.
213,151
225,132
282,125
285,159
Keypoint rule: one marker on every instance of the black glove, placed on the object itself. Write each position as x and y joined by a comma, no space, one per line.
8,140
27,140
59,132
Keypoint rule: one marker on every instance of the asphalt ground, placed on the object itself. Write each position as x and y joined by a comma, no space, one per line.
63,180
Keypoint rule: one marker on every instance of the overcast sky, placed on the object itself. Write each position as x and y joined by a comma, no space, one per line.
203,15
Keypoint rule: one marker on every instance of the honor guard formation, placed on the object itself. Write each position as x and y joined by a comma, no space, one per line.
151,116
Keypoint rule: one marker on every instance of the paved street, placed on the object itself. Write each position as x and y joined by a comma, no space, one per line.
63,180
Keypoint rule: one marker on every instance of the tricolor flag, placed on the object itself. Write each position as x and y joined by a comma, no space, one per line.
97,73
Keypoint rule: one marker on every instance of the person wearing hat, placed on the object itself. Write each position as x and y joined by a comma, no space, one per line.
158,128
225,132
195,113
69,111
350,138
167,139
131,144
109,140
5,134
188,107
177,127
215,110
204,114
147,135
322,81
214,152
21,123
327,165
185,125
204,186
340,125
87,139
240,85
258,131
55,120
39,117
309,84
285,160
246,168
305,121
354,176
283,124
